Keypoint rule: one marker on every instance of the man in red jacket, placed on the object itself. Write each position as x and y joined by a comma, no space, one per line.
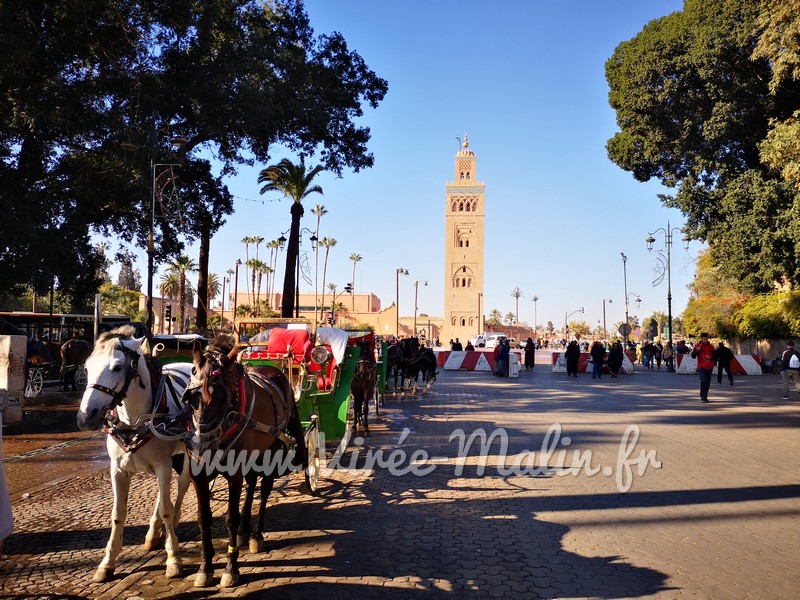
704,352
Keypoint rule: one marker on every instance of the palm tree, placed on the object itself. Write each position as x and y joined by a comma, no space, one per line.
326,243
274,245
170,284
355,258
259,268
318,211
213,287
181,266
247,240
293,181
230,273
252,267
516,294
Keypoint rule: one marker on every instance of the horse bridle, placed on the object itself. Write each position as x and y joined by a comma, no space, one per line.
131,373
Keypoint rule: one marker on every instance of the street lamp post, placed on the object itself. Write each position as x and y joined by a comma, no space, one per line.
668,242
235,294
567,316
605,331
480,315
313,239
535,320
222,307
398,272
348,289
416,291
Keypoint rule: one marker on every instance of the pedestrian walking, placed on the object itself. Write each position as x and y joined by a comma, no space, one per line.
501,367
724,356
658,354
530,354
598,353
668,354
572,354
615,358
704,353
790,361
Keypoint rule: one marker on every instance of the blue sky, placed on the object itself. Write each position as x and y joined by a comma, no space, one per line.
526,81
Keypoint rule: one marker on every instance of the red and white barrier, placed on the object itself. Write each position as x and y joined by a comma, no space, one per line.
461,360
742,364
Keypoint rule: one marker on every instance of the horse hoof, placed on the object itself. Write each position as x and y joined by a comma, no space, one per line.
174,570
229,580
153,543
203,580
256,545
102,575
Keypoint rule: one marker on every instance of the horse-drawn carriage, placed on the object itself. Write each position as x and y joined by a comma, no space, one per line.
50,365
323,368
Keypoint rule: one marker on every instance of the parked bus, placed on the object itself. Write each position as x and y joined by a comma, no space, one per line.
59,327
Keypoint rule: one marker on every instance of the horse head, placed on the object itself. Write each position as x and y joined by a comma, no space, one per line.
214,387
110,371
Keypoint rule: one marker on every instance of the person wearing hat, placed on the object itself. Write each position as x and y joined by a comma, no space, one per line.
790,361
704,353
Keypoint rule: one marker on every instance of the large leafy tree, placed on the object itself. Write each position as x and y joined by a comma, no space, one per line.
83,116
693,105
295,182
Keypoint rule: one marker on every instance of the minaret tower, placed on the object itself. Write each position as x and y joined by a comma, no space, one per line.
463,250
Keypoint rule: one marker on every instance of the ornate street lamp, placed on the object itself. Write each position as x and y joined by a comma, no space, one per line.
668,243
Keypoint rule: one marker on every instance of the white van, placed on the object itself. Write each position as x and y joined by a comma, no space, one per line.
492,340
479,341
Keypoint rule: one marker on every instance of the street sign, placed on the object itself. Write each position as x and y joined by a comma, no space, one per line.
624,329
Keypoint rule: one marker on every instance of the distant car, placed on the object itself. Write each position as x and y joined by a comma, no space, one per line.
522,344
479,341
513,342
493,338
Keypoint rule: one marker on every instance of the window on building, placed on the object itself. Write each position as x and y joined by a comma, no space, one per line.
463,322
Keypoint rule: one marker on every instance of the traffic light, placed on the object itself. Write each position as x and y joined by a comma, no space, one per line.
168,312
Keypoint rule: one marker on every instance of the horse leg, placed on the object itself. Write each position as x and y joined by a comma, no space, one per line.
357,402
365,411
167,517
257,535
184,480
154,540
205,574
243,533
120,483
230,577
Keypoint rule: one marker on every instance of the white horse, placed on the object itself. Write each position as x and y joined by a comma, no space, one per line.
122,395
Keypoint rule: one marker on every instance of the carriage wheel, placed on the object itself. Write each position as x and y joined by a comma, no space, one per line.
313,444
80,376
33,387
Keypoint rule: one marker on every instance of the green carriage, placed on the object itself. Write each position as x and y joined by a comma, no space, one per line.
320,366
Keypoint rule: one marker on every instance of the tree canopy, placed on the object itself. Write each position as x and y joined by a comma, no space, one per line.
695,105
93,93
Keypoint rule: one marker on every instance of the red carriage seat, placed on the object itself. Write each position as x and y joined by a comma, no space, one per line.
282,341
326,377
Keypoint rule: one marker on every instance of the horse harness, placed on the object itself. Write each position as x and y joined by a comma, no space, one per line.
132,438
232,423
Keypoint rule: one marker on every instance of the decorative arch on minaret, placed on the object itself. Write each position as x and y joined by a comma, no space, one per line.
464,277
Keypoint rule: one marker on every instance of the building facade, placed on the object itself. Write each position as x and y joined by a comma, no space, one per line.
463,250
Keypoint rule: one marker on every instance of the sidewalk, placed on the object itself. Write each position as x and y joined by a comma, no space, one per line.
717,519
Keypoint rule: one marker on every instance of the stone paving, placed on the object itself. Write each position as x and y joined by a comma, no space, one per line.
712,514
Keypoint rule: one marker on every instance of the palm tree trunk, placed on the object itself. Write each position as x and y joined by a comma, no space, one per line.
287,298
202,279
182,301
324,276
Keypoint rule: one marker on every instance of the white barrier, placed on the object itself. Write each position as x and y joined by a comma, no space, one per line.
742,364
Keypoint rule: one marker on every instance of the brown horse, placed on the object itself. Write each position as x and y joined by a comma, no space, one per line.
245,427
363,386
74,353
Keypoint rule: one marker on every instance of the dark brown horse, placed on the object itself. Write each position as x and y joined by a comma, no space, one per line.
245,428
363,386
74,353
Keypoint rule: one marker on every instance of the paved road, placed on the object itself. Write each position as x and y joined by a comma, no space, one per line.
717,519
